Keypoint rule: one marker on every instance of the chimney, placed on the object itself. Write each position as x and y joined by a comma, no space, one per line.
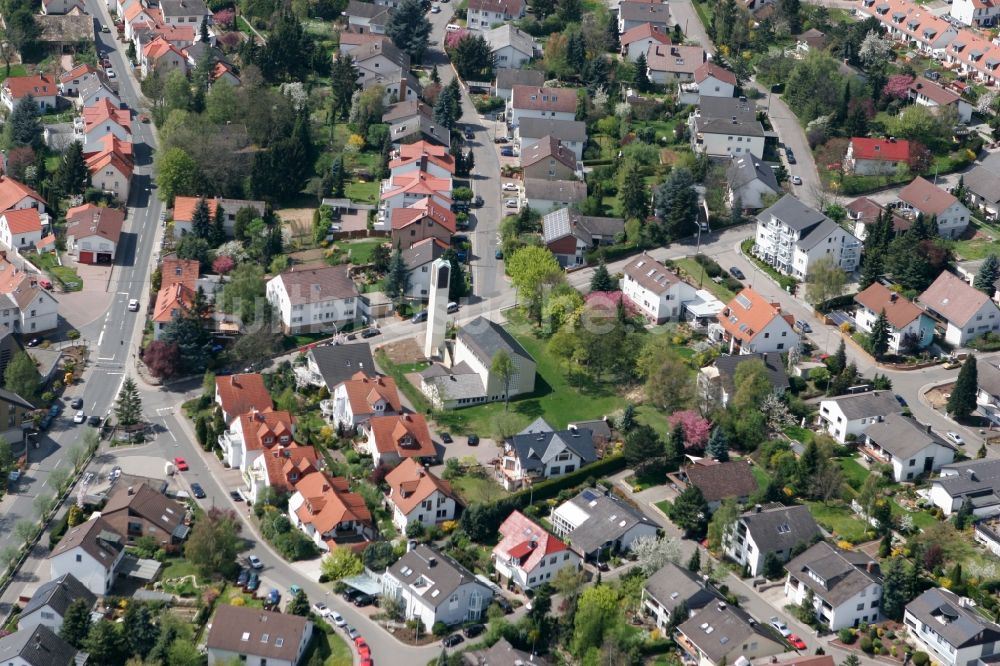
928,428
131,490
893,297
432,562
870,567
757,508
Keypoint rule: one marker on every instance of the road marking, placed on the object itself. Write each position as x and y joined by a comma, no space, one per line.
162,411
123,293
101,337
105,358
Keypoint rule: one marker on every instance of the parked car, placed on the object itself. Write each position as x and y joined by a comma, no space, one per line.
452,307
510,203
321,609
453,27
352,633
420,316
478,202
473,630
803,326
500,139
780,626
932,75
34,342
473,440
350,594
955,437
504,605
796,180
253,582
470,135
235,495
79,417
435,8
452,641
364,600
243,577
197,490
255,562
365,653
737,273
507,151
274,597
180,464
796,642
94,421
446,438
337,619
790,156
77,403
116,472
498,254
369,333
294,589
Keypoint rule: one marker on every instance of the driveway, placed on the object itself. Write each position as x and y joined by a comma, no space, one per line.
483,453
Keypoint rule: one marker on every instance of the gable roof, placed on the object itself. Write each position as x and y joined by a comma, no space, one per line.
157,508
410,484
329,502
728,363
12,191
506,7
184,207
563,130
36,86
717,481
644,31
956,624
674,58
243,393
866,405
58,594
710,69
423,252
984,179
953,299
258,425
538,444
530,98
183,8
672,585
90,220
778,528
794,213
524,540
507,78
744,169
337,363
286,465
902,436
927,197
866,211
364,390
651,274
631,10
173,299
884,150
486,338
39,646
548,147
509,35
405,435
424,152
565,222
432,575
727,115
423,209
96,537
899,310
749,313
401,110
718,629
77,72
419,183
23,221
837,574
315,285
184,271
566,191
252,631
932,91
600,518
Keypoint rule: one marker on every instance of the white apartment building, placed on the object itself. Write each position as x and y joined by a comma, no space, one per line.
316,299
791,237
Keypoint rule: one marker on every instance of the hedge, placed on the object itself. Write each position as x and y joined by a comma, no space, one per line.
609,253
838,303
58,530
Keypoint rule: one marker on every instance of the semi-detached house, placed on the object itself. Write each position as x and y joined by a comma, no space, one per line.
571,134
846,585
674,587
847,417
484,14
725,126
909,328
314,299
965,312
770,530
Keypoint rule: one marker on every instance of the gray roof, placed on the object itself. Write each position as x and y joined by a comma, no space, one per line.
338,363
486,338
599,427
719,629
508,35
795,214
647,12
501,654
535,449
902,436
384,48
15,399
183,8
744,169
989,377
440,573
92,84
406,109
818,234
843,573
984,180
727,365
569,191
58,594
460,381
39,646
422,253
609,518
366,10
728,115
564,222
507,78
979,480
867,405
957,625
780,528
673,584
564,130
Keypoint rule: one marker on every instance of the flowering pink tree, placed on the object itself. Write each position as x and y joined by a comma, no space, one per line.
609,300
223,264
225,18
898,86
696,427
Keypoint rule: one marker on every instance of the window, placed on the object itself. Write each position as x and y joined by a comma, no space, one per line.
79,558
861,607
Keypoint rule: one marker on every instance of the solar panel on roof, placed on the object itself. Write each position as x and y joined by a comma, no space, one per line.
589,495
744,301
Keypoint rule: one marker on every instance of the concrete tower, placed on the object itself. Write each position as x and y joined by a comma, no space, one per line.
437,308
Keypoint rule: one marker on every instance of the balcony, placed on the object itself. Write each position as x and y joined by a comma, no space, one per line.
327,408
229,440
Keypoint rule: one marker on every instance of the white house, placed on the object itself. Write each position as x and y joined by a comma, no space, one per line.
749,324
20,229
433,588
539,452
927,93
257,637
325,509
976,13
710,80
418,259
91,552
634,13
251,433
750,180
416,495
976,481
949,628
846,585
511,46
636,41
909,328
725,126
314,299
846,417
723,634
184,12
527,556
363,396
26,307
391,439
871,157
484,14
669,64
39,646
988,394
50,602
670,587
655,290
924,197
774,529
93,233
912,448
792,236
240,393
965,311
597,524
41,89
571,134
983,184
544,195
532,102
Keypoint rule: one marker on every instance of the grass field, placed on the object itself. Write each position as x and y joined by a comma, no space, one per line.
854,473
15,70
802,435
838,519
362,192
65,275
361,251
985,242
697,273
477,489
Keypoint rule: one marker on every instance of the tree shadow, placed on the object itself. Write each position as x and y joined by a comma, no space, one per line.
531,408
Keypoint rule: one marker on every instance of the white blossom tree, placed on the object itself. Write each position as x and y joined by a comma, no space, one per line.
985,102
875,50
653,553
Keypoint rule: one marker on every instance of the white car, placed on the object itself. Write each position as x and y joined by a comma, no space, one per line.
435,8
111,73
511,203
320,609
79,417
453,27
955,437
510,187
255,562
780,626
133,305
796,180
338,619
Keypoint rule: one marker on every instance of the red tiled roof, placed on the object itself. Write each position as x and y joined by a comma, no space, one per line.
104,160
90,220
241,394
184,271
172,299
711,69
286,466
37,86
880,149
644,31
23,221
744,323
78,71
406,435
329,502
258,427
926,197
410,484
184,208
363,391
544,99
404,217
419,183
11,193
899,310
526,541
103,111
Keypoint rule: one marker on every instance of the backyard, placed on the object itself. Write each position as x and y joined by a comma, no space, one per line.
64,275
983,239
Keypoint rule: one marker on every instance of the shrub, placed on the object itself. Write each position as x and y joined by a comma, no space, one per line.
846,636
920,659
869,648
439,629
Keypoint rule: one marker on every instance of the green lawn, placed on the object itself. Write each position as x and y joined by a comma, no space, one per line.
177,568
477,489
802,435
361,251
854,473
362,192
838,519
697,273
921,519
664,506
760,475
340,651
65,275
987,242
15,70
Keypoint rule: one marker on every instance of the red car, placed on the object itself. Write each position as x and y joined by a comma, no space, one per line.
360,642
364,652
181,464
796,642
366,662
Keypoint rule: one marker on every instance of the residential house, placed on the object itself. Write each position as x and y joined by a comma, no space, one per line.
949,628
965,311
424,220
864,212
775,529
750,180
252,432
909,23
872,157
349,39
434,588
240,393
20,229
172,301
527,556
484,14
501,653
40,88
184,12
161,56
50,7
69,82
138,16
655,290
988,394
792,237
313,299
407,189
414,121
258,637
598,524
725,126
382,63
511,47
367,17
571,134
638,40
911,448
846,585
710,80
923,197
38,646
548,160
749,324
93,233
674,587
24,305
223,72
909,328
983,186
140,511
100,120
539,452
362,397
540,102
431,158
721,634
669,64
50,602
717,381
391,439
927,93
184,208
111,169
324,508
329,365
846,417
975,481
544,195
635,13
91,551
15,195
976,13
508,77
281,468
811,40
93,89
569,235
418,259
718,481
416,495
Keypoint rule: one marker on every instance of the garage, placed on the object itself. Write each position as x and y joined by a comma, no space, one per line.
105,257
86,257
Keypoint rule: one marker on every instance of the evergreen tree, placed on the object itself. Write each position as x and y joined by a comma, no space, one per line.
602,280
899,580
409,29
435,76
343,82
201,220
632,193
128,408
72,175
597,72
838,361
718,445
76,623
611,38
337,177
627,421
962,400
397,279
694,564
919,228
690,512
790,10
140,628
961,192
444,108
988,274
845,102
933,231
676,203
885,546
675,446
24,124
643,450
576,52
219,226
458,286
878,341
964,514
